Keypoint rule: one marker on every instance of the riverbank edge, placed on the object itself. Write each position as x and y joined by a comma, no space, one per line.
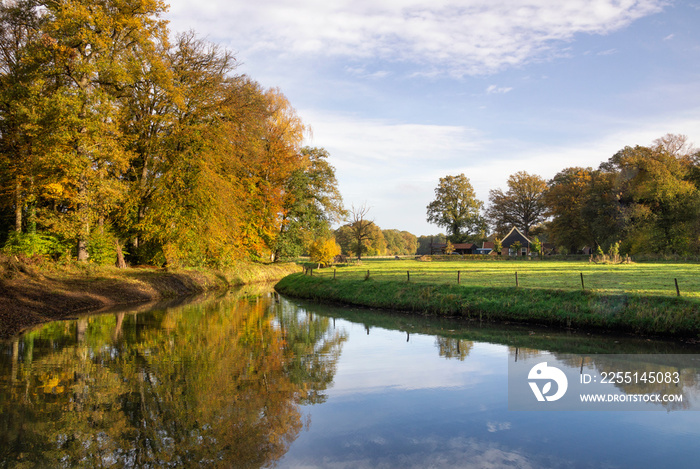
31,295
587,310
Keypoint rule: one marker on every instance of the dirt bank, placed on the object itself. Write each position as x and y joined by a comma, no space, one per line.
31,294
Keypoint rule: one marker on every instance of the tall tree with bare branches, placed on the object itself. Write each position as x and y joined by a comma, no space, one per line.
362,228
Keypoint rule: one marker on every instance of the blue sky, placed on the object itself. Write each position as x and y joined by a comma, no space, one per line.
402,93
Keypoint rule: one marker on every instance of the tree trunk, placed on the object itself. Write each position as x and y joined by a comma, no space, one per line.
82,250
118,329
18,208
31,208
84,218
121,264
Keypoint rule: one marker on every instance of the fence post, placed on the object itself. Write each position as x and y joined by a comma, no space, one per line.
678,292
311,271
333,274
367,276
583,287
408,276
516,280
459,275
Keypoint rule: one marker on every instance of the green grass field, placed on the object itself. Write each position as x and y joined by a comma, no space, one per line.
635,298
642,279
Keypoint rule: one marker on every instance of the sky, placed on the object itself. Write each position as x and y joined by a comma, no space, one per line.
404,92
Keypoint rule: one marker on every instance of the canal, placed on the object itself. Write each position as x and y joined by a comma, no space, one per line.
253,379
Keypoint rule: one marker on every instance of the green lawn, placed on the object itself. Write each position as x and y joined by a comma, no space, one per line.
642,278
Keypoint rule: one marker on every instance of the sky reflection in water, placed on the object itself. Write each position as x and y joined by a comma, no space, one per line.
253,380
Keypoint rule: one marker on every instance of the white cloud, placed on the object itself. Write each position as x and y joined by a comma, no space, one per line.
449,37
362,72
376,144
493,427
395,166
493,89
427,450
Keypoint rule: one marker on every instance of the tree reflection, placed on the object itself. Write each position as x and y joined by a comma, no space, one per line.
215,384
453,348
687,377
523,353
643,365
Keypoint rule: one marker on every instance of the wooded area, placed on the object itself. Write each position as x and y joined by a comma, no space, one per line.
115,139
644,199
119,142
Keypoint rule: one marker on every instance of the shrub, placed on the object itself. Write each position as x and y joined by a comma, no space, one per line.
101,249
36,244
322,251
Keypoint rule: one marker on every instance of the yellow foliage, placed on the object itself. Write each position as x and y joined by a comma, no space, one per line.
324,250
53,190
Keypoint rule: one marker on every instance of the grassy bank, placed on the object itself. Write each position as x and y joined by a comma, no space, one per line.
648,314
32,294
655,279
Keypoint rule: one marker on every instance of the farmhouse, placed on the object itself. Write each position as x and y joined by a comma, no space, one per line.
488,247
514,236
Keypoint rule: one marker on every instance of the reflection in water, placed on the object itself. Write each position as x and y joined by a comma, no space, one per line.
440,399
233,381
453,348
685,367
217,383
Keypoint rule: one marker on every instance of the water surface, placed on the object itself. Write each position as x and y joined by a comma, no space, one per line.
255,380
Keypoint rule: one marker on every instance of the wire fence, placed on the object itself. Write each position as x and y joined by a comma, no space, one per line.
639,280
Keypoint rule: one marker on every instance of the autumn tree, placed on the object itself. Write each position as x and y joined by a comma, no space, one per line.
675,145
110,132
456,208
186,148
216,134
312,202
410,242
643,196
96,48
425,243
400,242
22,95
660,204
376,244
566,198
344,237
522,205
16,32
536,245
322,251
498,245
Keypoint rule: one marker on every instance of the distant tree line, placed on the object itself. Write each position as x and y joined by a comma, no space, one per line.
362,237
115,139
389,242
644,199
